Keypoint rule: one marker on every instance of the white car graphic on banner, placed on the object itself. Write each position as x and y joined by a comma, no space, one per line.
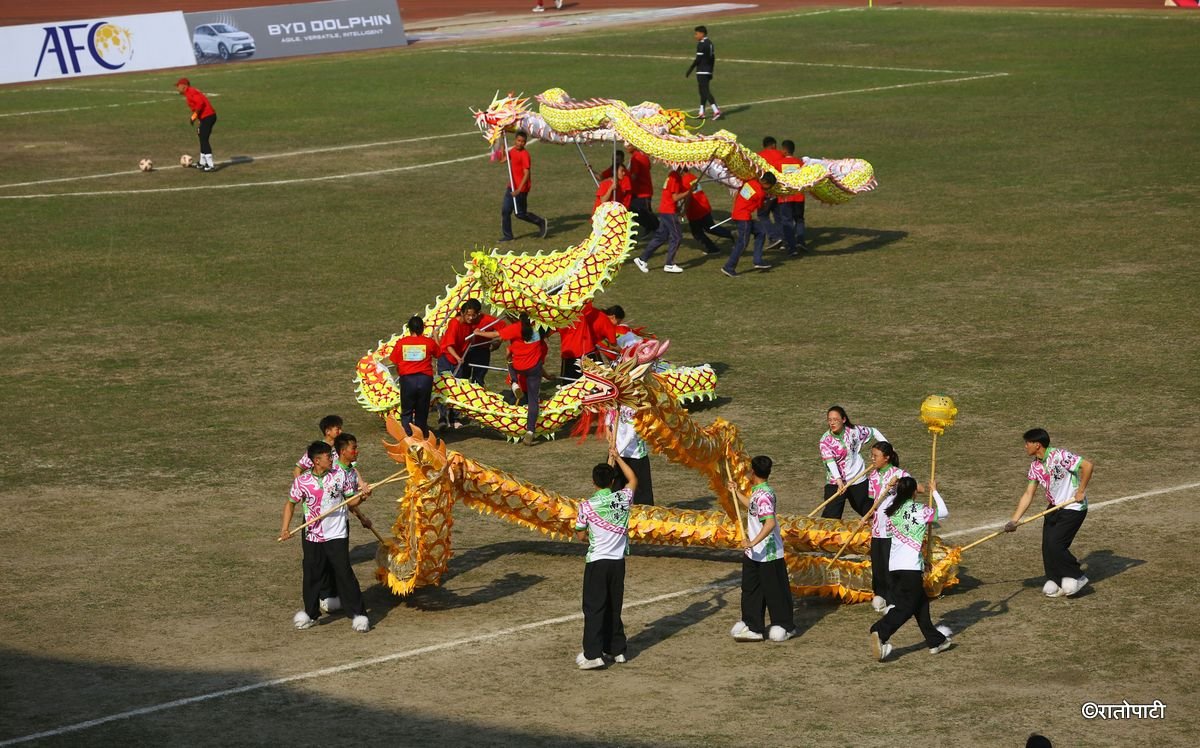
221,40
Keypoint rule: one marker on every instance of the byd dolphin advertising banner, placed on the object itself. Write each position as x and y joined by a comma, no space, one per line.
97,46
287,30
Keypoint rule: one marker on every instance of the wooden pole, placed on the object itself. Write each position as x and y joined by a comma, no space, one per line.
866,518
1054,508
840,491
391,478
737,502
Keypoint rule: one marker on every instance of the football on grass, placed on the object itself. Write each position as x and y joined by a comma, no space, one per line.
146,165
185,160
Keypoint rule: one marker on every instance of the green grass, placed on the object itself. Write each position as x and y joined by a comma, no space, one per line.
1030,251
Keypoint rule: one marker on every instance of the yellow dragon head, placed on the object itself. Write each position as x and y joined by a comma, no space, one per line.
606,388
502,114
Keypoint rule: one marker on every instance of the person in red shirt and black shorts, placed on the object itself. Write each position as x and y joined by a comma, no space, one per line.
516,196
749,199
700,217
413,356
203,117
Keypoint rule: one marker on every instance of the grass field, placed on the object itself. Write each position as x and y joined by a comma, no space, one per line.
170,340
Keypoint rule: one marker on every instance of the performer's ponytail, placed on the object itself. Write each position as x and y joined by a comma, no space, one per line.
906,488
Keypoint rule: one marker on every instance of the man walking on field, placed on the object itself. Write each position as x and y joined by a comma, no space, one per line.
704,65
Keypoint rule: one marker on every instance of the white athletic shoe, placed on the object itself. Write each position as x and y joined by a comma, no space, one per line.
538,9
716,113
880,649
746,635
360,624
701,113
780,634
585,664
672,269
331,604
1051,589
558,6
878,603
945,630
1073,586
738,628
301,621
888,608
619,659
641,264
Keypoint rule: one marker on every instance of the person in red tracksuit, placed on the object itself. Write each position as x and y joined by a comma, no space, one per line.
793,204
699,216
413,356
749,199
203,117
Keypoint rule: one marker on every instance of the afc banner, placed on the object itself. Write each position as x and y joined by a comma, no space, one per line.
97,46
303,29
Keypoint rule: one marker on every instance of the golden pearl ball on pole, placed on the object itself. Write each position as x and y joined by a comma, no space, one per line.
937,413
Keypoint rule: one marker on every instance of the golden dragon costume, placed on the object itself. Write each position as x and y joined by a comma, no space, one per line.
553,289
440,477
664,136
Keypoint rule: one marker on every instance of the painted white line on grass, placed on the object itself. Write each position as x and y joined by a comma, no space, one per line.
289,154
724,60
872,89
1095,14
82,108
337,669
270,183
1091,505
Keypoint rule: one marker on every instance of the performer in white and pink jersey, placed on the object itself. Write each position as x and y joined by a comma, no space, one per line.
840,449
321,488
1064,477
908,522
882,481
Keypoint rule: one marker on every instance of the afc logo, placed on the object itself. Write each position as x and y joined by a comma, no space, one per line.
108,45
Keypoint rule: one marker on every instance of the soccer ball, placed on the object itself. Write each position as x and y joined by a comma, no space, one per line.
146,165
185,160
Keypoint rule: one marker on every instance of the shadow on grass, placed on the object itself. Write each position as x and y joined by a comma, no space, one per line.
862,240
97,703
671,624
963,618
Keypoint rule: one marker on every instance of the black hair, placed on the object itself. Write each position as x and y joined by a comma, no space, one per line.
906,488
415,325
1038,435
620,156
318,448
604,475
471,305
769,179
788,146
615,310
526,328
888,451
761,465
769,142
522,134
702,30
329,422
1038,741
343,439
841,412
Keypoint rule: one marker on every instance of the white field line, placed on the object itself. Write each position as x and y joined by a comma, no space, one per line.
1091,506
872,89
270,183
289,154
410,653
1095,14
82,108
337,669
724,60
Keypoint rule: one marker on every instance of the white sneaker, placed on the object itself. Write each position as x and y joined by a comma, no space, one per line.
331,604
585,664
716,113
1051,589
746,635
878,603
301,621
945,631
701,113
538,9
360,624
558,6
619,659
888,608
672,269
880,649
1073,586
738,628
780,634
641,264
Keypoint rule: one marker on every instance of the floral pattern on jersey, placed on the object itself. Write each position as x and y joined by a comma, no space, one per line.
910,523
843,451
876,483
762,505
318,494
1058,474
